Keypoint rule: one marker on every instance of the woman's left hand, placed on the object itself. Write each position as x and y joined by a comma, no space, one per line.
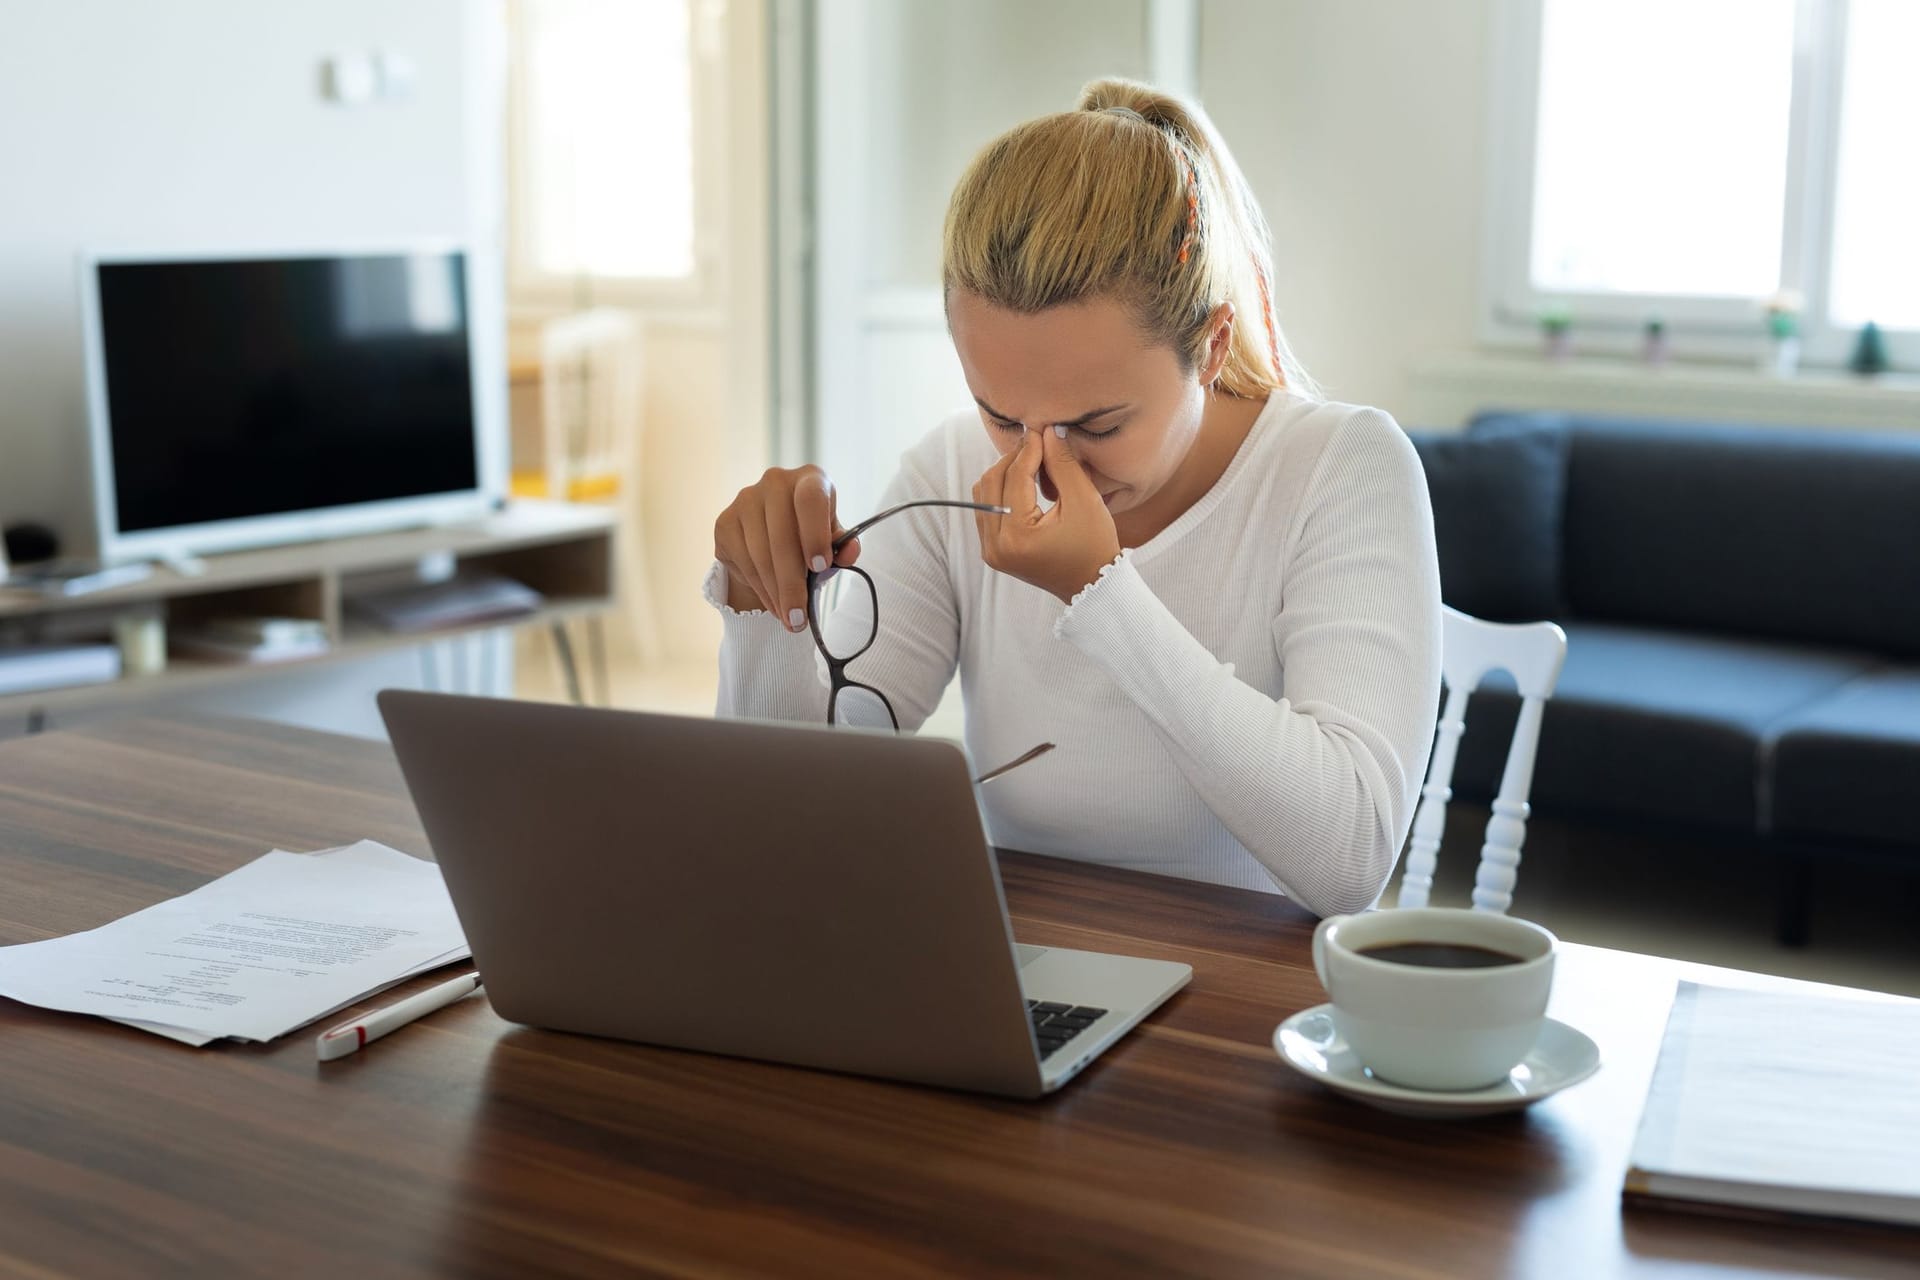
1059,550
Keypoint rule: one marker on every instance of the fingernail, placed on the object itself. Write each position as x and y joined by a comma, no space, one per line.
796,618
1060,433
819,564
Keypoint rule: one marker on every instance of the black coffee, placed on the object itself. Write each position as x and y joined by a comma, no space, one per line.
1441,955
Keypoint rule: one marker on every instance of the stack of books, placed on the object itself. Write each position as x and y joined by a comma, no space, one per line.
253,639
463,600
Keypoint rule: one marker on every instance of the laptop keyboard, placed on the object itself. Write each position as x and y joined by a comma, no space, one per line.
1054,1023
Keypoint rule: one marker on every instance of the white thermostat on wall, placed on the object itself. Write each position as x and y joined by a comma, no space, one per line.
350,79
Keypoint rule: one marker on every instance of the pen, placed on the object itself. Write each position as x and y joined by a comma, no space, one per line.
349,1036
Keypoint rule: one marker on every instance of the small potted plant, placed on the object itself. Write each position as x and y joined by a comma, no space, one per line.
1869,352
1782,311
1556,331
1655,346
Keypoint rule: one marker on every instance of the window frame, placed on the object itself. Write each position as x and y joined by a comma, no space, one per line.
1697,326
533,290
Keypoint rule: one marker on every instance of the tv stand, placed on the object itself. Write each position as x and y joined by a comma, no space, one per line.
562,550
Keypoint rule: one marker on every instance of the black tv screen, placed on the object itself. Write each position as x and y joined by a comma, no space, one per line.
241,389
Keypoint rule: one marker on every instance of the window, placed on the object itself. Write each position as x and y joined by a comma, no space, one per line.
1689,158
607,108
1625,197
1876,221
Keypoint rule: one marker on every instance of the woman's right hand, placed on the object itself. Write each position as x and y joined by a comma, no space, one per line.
771,533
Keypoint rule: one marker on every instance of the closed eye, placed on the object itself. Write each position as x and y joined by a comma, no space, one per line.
1086,432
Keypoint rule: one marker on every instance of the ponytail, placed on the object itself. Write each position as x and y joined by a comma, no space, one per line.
1132,195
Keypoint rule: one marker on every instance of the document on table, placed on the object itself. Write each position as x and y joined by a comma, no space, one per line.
286,939
199,1039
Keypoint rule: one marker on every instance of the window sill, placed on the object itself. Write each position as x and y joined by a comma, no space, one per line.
1451,389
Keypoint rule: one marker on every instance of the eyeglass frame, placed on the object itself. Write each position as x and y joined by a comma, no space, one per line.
837,678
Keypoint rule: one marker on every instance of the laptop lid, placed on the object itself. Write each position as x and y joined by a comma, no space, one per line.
822,897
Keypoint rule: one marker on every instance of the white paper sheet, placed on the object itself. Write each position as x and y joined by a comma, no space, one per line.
199,1039
282,941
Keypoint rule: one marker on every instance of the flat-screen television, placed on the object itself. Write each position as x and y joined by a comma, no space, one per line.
251,399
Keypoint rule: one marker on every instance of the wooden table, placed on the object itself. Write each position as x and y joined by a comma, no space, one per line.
465,1145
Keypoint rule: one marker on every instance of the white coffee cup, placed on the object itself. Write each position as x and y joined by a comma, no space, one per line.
1436,1028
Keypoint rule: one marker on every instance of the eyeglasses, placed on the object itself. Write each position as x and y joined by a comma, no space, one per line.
845,694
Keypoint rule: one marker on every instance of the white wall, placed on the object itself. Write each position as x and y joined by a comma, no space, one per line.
201,123
949,78
697,452
709,397
1362,127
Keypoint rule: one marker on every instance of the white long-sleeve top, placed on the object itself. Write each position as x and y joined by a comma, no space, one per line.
1246,698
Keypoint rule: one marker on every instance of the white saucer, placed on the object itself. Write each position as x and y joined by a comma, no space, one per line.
1310,1045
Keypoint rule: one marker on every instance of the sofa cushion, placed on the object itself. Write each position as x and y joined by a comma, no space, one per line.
1497,495
1763,531
1847,768
1653,725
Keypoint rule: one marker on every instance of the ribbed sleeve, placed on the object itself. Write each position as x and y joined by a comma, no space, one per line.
766,671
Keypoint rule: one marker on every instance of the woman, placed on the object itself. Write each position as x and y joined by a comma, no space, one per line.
1223,602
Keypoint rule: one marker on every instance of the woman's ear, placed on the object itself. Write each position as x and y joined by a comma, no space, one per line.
1219,342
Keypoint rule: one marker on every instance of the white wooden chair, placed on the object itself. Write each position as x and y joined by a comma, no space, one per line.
590,425
589,403
1533,652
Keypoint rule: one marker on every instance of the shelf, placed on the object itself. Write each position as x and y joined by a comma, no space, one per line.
524,524
563,551
1449,390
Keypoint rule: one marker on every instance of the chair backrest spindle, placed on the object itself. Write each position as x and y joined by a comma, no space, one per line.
1533,653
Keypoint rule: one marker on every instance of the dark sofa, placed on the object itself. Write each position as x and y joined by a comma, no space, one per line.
1742,608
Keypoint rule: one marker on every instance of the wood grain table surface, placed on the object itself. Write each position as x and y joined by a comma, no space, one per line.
464,1145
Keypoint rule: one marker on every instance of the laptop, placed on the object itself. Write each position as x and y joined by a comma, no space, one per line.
813,896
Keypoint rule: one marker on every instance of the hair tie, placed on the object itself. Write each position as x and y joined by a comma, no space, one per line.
1193,208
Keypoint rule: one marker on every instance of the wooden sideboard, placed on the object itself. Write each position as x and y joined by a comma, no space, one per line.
566,552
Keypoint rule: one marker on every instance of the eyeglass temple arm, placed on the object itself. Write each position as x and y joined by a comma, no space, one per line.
871,521
1014,763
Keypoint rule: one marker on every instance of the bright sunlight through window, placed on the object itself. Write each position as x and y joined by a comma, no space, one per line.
1661,162
1876,231
609,138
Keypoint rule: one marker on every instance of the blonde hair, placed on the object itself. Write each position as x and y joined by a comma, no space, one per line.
1131,195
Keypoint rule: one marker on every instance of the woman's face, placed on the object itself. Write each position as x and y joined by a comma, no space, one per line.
1132,412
